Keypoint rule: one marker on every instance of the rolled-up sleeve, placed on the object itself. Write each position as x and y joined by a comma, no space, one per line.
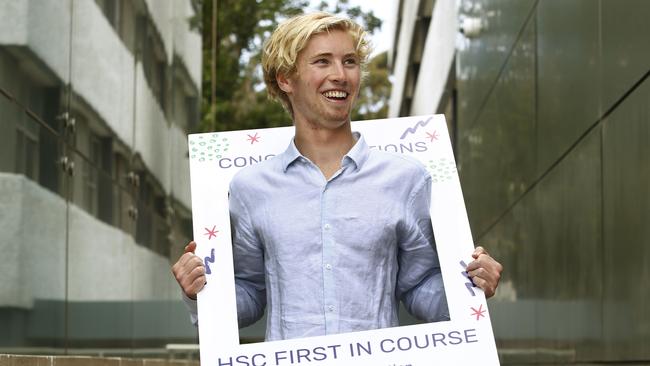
419,279
248,256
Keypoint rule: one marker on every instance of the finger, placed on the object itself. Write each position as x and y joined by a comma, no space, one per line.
478,251
197,271
476,264
482,260
185,259
488,280
491,270
195,287
480,273
194,267
183,268
187,279
472,266
487,287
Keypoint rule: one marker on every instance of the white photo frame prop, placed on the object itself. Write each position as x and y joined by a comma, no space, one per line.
466,339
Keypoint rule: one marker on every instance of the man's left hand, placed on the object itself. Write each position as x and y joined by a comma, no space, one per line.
484,271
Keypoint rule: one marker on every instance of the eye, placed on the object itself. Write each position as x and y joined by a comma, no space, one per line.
321,61
350,61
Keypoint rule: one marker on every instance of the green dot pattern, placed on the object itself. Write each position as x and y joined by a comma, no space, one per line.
441,170
208,147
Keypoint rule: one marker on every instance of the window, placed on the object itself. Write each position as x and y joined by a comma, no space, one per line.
27,150
154,61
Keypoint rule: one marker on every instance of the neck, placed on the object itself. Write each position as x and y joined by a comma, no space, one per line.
324,147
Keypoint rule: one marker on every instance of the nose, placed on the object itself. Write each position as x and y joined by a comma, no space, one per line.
338,72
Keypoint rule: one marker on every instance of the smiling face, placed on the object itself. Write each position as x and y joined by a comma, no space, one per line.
325,85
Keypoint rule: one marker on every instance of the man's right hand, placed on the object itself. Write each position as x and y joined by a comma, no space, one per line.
190,272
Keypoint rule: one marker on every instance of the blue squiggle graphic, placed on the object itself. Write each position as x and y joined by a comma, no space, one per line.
209,259
415,128
469,283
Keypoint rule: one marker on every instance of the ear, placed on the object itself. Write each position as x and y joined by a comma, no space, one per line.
284,83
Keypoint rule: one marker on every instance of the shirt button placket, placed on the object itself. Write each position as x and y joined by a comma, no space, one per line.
329,282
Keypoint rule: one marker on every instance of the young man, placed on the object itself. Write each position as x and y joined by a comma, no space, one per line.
330,234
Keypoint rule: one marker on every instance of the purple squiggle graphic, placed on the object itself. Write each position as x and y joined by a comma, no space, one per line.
469,283
415,128
209,259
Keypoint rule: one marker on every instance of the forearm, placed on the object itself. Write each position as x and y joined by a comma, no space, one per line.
250,303
427,301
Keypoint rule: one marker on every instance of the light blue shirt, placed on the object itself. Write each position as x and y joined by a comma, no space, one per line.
338,255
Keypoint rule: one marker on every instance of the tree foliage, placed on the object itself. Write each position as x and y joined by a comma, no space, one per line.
242,26
375,90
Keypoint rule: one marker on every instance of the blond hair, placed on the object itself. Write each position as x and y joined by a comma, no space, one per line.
281,50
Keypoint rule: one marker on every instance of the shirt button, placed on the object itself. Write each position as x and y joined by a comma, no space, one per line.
330,308
328,267
327,227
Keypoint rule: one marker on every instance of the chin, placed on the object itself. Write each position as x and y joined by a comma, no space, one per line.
339,121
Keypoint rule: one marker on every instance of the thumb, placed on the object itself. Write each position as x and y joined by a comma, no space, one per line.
190,247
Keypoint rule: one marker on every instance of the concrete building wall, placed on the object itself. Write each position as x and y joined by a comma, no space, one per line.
438,58
23,25
180,168
408,14
152,141
13,30
422,62
187,44
107,86
161,14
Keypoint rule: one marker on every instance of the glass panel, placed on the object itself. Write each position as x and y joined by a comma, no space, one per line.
68,102
513,309
626,147
34,68
159,316
100,261
32,297
569,246
481,58
179,326
497,155
33,71
568,70
551,235
11,115
625,50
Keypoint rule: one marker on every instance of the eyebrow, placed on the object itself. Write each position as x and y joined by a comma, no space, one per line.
329,54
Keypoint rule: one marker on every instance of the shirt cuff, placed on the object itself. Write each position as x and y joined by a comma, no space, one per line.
191,307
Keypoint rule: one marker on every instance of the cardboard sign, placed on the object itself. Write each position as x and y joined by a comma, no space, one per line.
466,339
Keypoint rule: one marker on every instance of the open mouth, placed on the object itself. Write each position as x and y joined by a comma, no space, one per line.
335,95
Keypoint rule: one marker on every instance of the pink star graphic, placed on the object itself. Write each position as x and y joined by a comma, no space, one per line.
253,138
211,233
478,312
432,136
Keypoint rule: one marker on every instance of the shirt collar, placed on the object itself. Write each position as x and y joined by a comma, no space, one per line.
290,155
358,154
